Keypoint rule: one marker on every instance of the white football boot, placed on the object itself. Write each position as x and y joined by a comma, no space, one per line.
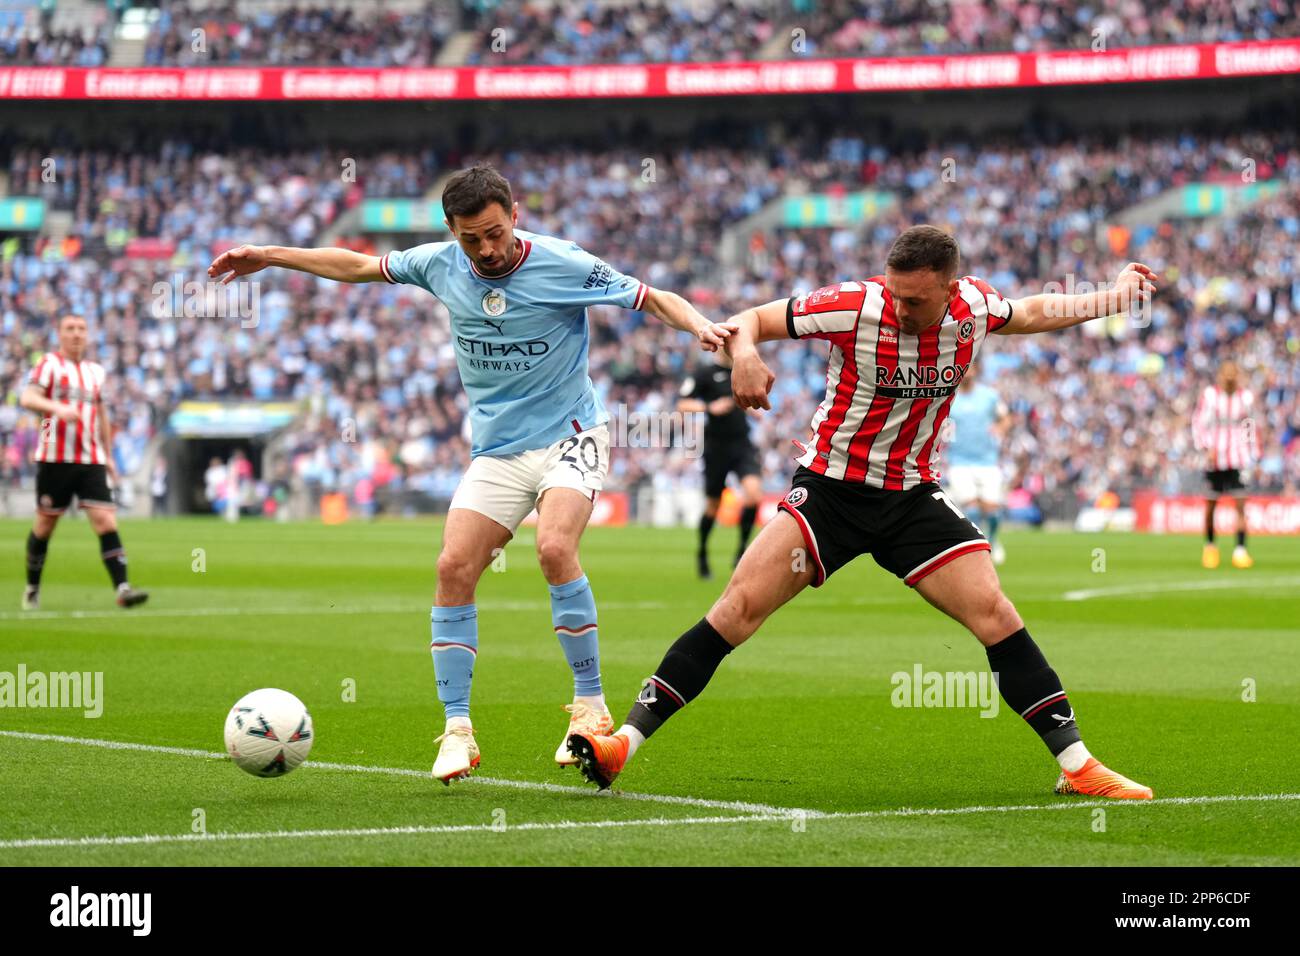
458,754
31,599
589,715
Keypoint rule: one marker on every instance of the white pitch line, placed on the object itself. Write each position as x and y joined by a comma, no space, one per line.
784,818
739,806
1167,586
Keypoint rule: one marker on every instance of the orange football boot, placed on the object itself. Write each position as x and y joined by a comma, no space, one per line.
600,758
1093,779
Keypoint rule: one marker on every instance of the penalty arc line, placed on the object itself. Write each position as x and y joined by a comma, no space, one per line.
783,818
740,806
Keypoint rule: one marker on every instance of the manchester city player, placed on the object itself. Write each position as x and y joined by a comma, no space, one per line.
979,420
518,304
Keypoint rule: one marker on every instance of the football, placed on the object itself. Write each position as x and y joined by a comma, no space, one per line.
268,732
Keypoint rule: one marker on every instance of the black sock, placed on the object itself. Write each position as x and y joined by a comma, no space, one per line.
114,555
682,675
36,548
747,516
1241,537
1032,689
706,526
1209,528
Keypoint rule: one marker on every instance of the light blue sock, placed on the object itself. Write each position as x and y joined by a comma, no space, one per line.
454,648
573,612
994,518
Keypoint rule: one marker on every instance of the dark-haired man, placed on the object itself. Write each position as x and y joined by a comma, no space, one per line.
518,304
901,343
727,450
73,457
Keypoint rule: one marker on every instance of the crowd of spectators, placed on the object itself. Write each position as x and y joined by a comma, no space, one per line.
336,33
648,31
310,34
1104,408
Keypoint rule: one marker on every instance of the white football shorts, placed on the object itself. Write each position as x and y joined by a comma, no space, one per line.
967,483
507,487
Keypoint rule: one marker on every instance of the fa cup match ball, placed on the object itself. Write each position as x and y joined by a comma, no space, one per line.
268,732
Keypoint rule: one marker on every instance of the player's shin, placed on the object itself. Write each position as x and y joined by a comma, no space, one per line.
681,676
454,648
114,557
748,516
36,549
1030,686
573,614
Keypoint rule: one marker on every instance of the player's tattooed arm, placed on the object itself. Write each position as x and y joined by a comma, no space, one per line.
1049,312
341,265
751,379
675,312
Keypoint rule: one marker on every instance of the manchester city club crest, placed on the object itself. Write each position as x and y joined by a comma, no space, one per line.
965,330
494,302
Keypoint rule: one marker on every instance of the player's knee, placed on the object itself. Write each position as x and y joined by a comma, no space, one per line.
738,613
456,579
1001,618
557,559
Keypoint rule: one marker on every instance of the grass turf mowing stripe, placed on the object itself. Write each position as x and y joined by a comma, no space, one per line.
739,806
290,611
784,817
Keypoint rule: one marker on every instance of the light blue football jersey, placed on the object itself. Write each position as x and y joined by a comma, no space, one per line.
521,338
973,414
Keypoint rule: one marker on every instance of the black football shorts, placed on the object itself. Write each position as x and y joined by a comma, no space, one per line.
1225,480
909,533
739,458
57,482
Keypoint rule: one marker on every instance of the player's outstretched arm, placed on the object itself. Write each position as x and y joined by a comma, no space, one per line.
1049,312
341,265
675,312
751,379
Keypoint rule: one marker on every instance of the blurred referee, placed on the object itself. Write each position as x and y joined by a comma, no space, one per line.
727,450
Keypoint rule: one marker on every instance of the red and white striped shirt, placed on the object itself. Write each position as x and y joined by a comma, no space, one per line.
1222,427
81,385
887,392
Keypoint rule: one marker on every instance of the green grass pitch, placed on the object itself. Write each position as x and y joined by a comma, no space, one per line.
794,754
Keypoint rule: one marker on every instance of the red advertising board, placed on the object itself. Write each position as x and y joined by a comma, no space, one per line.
876,74
1185,514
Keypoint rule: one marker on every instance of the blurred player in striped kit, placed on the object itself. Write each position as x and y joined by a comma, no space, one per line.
73,458
1223,427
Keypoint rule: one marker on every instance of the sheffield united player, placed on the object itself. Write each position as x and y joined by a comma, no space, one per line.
899,346
727,450
73,458
1223,429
